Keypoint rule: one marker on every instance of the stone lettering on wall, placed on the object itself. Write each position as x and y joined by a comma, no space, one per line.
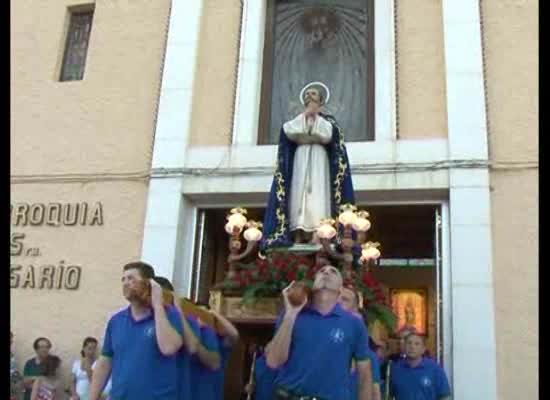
40,275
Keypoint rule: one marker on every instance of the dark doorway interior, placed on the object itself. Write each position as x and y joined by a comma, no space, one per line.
408,262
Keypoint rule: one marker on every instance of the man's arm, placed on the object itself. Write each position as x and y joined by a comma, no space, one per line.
210,359
168,339
276,353
99,377
364,375
277,350
376,393
190,341
209,348
229,332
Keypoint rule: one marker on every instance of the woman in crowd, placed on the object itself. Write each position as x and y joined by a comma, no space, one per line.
15,377
82,370
33,367
48,386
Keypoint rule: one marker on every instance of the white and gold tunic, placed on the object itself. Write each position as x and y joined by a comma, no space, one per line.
309,200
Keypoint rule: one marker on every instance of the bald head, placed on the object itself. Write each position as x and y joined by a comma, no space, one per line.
329,278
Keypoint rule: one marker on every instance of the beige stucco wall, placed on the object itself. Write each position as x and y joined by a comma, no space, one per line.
216,76
110,114
101,129
420,68
511,49
68,316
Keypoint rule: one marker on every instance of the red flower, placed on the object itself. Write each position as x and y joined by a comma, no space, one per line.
237,279
263,274
291,275
279,264
368,280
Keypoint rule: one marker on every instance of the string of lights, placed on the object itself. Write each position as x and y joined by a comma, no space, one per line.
512,165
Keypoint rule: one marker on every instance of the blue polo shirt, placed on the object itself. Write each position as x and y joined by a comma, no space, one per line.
184,363
426,381
264,378
203,379
225,352
139,370
375,374
320,354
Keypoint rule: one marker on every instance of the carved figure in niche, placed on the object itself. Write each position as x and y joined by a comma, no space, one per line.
312,177
320,26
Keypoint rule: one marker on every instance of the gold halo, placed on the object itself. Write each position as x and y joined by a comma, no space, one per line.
311,84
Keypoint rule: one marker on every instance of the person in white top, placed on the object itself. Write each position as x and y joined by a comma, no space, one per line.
82,370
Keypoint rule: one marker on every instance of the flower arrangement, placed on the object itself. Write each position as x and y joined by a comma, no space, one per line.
268,277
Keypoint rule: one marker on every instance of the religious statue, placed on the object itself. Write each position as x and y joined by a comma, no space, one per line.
312,177
410,314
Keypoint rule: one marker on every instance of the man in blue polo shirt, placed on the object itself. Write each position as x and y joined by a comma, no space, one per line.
141,342
208,364
185,360
349,300
418,377
264,378
204,363
191,337
314,345
227,337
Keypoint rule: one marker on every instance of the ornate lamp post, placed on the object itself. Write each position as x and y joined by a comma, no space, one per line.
351,221
369,252
236,221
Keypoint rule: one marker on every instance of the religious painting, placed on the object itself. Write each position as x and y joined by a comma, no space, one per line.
330,41
411,309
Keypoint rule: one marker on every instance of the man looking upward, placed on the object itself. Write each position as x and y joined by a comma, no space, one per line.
141,342
314,345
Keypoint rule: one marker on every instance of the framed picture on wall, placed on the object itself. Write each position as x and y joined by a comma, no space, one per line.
411,309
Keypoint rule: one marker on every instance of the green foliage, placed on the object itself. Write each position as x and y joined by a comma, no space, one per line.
267,278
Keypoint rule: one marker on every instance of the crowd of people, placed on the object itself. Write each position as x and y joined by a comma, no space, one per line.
153,350
40,378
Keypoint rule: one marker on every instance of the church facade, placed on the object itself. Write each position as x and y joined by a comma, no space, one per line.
137,125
